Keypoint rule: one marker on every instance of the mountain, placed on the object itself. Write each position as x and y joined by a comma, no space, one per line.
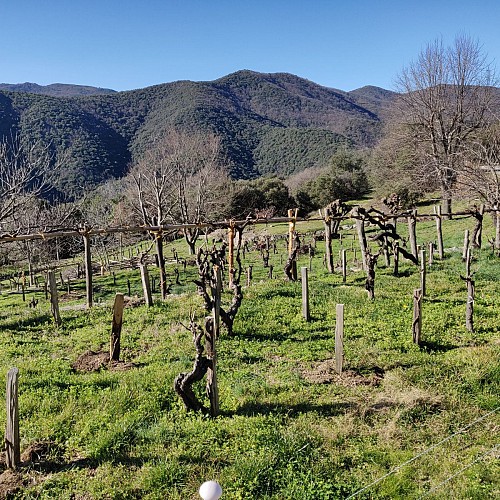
268,123
55,89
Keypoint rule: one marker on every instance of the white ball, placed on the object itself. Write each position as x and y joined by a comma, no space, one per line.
210,490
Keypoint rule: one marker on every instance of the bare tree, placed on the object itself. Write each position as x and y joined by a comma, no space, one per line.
26,169
178,180
480,175
446,95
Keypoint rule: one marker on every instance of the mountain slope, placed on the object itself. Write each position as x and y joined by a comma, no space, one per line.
268,123
55,89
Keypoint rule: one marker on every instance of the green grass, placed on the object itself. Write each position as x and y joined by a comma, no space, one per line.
280,434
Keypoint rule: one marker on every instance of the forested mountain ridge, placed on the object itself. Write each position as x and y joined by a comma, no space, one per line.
55,89
269,123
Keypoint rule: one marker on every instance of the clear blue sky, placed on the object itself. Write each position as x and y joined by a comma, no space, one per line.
128,44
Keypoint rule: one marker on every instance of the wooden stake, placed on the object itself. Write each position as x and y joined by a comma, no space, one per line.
469,311
339,338
417,316
146,286
54,298
305,293
360,228
423,270
412,233
431,253
88,269
439,229
466,245
116,328
12,441
344,265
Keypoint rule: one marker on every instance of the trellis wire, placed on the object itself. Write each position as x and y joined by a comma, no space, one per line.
468,466
424,452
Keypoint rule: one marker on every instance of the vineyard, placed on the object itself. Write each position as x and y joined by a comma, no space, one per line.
403,418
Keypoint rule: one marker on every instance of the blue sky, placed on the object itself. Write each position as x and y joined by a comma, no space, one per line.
126,44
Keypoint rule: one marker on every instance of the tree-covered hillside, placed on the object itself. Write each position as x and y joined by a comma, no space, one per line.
268,123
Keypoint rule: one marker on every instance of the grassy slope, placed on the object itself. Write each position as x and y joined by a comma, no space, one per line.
280,435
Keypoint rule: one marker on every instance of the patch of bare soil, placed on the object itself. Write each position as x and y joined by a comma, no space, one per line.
324,373
44,456
72,295
134,301
91,361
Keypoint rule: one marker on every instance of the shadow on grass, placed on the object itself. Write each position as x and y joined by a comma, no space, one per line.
28,323
326,410
429,346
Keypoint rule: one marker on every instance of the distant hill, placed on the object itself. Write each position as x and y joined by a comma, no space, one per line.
55,89
269,123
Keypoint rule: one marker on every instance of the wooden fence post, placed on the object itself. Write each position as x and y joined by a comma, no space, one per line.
339,338
305,293
439,229
54,299
88,269
146,285
116,328
431,253
395,251
360,228
423,271
466,245
469,310
344,265
12,441
412,233
417,316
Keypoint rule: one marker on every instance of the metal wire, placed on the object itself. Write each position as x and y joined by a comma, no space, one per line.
424,452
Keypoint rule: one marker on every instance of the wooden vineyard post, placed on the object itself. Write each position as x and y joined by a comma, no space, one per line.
88,268
23,286
339,338
292,214
431,253
116,328
54,299
230,253
360,228
412,233
305,293
469,310
466,245
271,271
417,316
478,229
146,285
328,239
395,251
423,271
249,275
12,441
439,229
212,388
344,265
